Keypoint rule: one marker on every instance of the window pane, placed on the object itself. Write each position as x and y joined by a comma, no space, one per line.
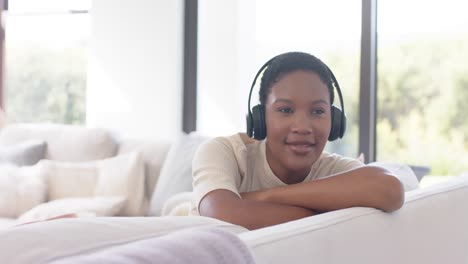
237,37
46,67
47,6
309,26
423,84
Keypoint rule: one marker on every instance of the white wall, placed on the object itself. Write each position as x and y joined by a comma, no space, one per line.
135,67
226,65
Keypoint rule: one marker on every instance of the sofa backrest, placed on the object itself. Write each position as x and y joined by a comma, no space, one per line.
431,227
64,142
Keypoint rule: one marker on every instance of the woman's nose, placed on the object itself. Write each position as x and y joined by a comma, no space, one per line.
301,124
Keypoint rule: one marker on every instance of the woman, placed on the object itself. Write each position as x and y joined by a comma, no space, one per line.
287,176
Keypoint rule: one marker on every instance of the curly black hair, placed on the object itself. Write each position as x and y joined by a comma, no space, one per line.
292,61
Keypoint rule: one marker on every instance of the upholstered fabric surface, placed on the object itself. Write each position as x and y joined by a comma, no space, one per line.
176,172
46,241
25,153
64,142
21,188
94,206
194,245
178,205
70,179
430,228
124,175
153,154
6,222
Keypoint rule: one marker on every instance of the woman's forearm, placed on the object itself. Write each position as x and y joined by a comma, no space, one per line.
226,206
366,187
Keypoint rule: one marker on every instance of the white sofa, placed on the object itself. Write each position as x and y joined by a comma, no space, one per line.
83,153
429,228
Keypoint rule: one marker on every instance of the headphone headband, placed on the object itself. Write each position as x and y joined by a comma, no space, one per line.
255,80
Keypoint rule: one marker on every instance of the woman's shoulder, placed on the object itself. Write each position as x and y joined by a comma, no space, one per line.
235,149
236,143
235,140
327,157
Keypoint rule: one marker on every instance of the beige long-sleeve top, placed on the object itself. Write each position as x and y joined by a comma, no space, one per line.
239,164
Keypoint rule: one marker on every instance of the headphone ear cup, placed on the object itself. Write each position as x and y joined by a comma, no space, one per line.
249,125
338,124
258,122
343,124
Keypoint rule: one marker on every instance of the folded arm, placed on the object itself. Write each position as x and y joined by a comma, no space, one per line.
366,186
227,206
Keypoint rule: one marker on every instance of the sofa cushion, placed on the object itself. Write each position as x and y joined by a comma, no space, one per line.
21,188
51,240
94,206
64,142
210,245
153,154
124,175
6,223
70,179
176,172
23,154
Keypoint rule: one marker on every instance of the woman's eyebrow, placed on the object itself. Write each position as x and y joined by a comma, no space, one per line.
283,100
318,101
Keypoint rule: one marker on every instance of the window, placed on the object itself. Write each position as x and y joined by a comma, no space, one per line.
237,37
45,60
423,84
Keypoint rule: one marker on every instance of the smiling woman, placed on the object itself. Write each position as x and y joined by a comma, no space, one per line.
282,173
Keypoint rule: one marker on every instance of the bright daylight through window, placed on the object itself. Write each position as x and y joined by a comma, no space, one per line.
46,49
423,84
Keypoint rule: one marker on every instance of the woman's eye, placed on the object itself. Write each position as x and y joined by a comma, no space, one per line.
285,110
318,111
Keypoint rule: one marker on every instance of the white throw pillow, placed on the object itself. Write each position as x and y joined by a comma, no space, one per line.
21,188
176,172
403,172
98,206
70,179
124,176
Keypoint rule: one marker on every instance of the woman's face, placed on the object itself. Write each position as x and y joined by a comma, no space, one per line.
298,121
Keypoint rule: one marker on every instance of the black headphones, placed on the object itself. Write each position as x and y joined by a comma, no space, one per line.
256,126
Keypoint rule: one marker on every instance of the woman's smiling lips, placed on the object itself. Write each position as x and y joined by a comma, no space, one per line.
300,147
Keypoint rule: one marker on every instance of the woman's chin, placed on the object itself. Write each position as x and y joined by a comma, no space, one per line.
299,168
